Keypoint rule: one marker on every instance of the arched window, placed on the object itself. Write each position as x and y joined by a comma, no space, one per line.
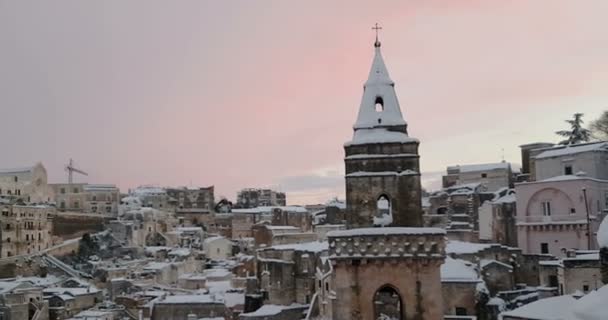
384,215
388,304
379,104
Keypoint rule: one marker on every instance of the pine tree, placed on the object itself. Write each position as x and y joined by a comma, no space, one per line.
576,134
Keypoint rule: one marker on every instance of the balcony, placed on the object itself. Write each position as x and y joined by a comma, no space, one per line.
552,219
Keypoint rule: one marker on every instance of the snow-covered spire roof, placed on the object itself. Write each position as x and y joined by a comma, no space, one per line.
379,105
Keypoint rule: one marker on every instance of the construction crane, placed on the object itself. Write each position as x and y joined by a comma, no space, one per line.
70,168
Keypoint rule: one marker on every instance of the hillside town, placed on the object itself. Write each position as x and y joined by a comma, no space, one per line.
496,241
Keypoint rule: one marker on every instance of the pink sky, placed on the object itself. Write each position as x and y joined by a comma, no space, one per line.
264,93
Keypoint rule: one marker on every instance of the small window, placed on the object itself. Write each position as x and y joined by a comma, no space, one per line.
94,198
16,179
75,190
62,205
546,208
76,204
62,191
93,209
568,170
460,311
585,288
108,209
326,286
544,247
572,211
484,175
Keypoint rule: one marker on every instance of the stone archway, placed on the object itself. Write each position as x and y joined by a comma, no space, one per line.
384,214
388,304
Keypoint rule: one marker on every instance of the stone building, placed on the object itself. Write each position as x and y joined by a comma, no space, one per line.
381,160
185,198
493,176
497,219
20,299
287,272
180,307
252,197
28,184
528,153
24,229
87,198
578,271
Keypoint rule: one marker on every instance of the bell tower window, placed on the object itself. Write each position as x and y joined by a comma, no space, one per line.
379,104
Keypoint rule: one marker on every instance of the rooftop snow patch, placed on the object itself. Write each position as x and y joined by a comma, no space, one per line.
573,149
382,173
379,135
314,246
385,232
602,234
457,270
481,167
461,247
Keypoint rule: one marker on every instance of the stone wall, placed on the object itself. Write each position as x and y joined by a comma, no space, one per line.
68,226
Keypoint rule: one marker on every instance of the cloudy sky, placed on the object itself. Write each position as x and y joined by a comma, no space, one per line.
265,93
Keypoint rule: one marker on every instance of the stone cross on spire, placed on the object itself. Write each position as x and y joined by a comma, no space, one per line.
377,29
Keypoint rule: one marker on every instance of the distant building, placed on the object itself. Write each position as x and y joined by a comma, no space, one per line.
251,198
24,229
28,184
185,198
552,215
588,158
493,176
497,219
87,198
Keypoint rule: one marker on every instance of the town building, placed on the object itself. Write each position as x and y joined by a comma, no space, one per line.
560,213
28,184
25,229
493,176
87,198
217,248
186,198
497,219
252,197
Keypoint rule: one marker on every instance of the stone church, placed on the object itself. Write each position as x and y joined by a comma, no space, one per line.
384,266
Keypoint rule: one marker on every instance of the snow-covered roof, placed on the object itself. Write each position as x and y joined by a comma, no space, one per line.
509,198
314,246
381,156
6,171
457,270
385,231
100,187
602,234
379,135
268,209
379,85
188,298
554,308
461,247
481,167
573,149
268,310
213,239
406,172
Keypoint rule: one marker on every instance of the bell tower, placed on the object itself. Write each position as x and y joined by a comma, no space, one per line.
381,160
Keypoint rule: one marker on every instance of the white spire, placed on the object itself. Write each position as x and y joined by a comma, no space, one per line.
379,105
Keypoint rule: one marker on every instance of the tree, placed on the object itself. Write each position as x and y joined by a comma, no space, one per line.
599,127
576,134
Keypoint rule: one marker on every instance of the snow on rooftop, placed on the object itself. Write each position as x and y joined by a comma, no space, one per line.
406,172
602,234
269,209
592,306
385,231
188,298
314,246
268,310
461,247
481,167
16,170
379,135
554,308
573,149
212,239
457,270
509,198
